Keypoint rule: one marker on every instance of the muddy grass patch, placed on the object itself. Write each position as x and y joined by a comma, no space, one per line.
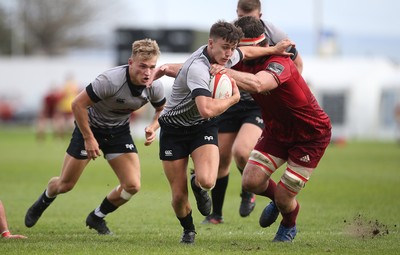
364,228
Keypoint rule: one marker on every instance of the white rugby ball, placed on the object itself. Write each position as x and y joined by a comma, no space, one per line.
220,86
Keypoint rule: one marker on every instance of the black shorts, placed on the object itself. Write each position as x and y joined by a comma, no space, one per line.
177,143
237,115
117,140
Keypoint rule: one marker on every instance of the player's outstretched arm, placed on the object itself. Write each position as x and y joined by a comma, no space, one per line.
5,233
170,70
251,52
8,235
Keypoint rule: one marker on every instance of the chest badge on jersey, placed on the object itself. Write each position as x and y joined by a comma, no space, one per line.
276,68
120,100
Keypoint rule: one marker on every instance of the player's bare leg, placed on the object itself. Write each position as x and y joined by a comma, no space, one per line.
70,173
256,179
244,143
127,168
205,160
225,142
176,173
292,181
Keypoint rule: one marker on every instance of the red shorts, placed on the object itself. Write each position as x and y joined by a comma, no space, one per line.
306,154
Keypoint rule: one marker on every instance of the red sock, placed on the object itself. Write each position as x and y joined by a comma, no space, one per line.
270,191
289,219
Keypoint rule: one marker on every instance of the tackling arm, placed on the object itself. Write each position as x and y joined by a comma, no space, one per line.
251,52
5,233
170,70
261,82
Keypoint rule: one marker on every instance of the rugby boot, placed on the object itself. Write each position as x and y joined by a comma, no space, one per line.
188,237
247,203
97,223
213,219
35,211
269,215
285,234
202,198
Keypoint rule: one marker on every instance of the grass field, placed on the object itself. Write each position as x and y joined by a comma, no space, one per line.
350,206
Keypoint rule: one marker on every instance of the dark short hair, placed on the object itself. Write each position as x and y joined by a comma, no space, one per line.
227,31
251,28
249,5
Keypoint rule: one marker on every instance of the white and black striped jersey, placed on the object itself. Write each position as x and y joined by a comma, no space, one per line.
115,97
192,80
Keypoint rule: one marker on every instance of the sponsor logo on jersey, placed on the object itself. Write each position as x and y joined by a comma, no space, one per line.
130,146
276,68
168,153
208,137
120,100
305,158
259,120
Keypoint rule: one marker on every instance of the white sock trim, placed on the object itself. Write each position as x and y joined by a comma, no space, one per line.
98,213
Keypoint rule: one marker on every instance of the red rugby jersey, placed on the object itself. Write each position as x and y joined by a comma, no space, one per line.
290,112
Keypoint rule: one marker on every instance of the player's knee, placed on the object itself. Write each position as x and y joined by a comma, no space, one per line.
265,162
251,184
65,187
133,188
295,179
127,191
125,195
207,185
205,182
254,178
241,155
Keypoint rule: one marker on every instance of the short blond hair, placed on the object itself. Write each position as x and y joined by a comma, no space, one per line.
145,49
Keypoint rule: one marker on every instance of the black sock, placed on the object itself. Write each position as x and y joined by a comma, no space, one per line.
218,194
187,222
107,207
46,200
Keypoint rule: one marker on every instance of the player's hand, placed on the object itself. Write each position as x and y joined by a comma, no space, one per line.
150,136
8,235
160,71
282,47
92,148
217,68
235,91
15,237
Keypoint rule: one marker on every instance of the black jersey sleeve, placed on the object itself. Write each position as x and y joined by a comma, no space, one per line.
158,104
92,95
200,92
294,51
